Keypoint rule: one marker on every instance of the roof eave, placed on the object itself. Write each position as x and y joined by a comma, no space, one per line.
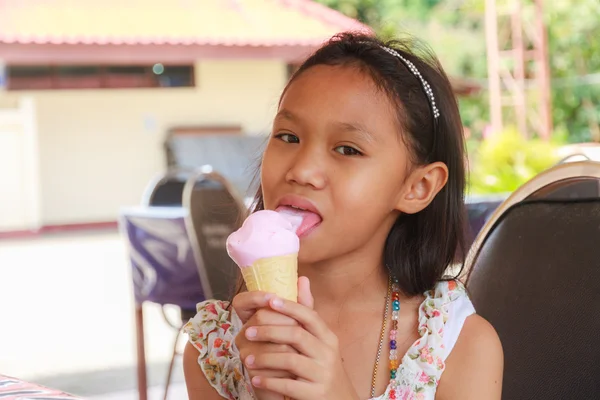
80,53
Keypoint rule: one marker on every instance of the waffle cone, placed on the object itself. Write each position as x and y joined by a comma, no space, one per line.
277,275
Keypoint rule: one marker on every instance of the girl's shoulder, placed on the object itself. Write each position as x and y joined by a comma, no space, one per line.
212,332
475,365
441,316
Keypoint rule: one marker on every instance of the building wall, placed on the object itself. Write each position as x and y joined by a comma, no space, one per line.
19,171
99,148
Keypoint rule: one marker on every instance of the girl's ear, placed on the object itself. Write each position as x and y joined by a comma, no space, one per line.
421,187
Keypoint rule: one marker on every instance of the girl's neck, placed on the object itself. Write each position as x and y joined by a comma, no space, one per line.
344,282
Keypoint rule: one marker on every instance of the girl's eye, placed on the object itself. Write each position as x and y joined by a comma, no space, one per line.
348,151
288,138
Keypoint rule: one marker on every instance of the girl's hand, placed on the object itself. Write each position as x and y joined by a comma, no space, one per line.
253,310
317,363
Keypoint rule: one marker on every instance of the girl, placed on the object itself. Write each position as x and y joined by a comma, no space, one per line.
368,137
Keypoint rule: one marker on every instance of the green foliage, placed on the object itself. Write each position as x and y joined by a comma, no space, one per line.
374,13
574,42
455,30
574,54
474,112
507,160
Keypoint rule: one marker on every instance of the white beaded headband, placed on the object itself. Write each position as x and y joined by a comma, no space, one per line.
415,72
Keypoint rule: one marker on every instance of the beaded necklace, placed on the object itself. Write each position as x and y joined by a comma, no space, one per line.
393,299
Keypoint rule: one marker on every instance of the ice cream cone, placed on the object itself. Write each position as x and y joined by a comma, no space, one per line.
278,275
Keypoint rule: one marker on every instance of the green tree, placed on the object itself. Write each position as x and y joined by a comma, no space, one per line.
574,55
574,43
456,32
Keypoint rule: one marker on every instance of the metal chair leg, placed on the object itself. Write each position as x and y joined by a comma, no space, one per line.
141,353
172,364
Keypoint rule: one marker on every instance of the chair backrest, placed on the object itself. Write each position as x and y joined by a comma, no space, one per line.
574,180
534,273
166,189
164,268
215,211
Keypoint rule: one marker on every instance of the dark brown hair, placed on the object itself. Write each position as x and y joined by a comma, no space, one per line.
419,246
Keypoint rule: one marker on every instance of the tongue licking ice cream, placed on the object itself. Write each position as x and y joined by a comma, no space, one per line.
302,220
266,250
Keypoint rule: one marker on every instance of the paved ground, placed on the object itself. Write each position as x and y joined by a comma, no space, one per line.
66,309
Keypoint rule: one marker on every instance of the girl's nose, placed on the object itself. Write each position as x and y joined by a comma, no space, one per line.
308,169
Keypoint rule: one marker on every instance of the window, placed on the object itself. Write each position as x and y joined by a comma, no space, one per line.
27,77
68,77
30,77
129,77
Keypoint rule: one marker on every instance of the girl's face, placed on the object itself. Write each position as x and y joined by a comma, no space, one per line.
335,147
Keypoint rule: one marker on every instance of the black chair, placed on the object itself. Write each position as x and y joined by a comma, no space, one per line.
534,273
215,211
166,189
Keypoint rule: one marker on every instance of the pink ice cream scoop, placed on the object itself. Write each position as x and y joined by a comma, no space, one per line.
264,234
266,250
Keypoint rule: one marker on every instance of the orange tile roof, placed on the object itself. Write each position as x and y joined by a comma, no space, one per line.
200,22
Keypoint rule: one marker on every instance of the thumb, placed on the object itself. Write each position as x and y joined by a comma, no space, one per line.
304,295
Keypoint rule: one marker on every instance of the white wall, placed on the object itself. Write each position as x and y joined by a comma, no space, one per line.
19,169
99,148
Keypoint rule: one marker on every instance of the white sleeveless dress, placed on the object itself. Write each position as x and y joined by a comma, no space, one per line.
441,317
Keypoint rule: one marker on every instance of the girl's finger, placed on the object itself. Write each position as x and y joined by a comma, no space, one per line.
275,373
267,316
292,388
295,336
304,294
256,348
294,364
245,304
306,317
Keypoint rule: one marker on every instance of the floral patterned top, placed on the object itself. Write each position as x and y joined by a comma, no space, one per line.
441,316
